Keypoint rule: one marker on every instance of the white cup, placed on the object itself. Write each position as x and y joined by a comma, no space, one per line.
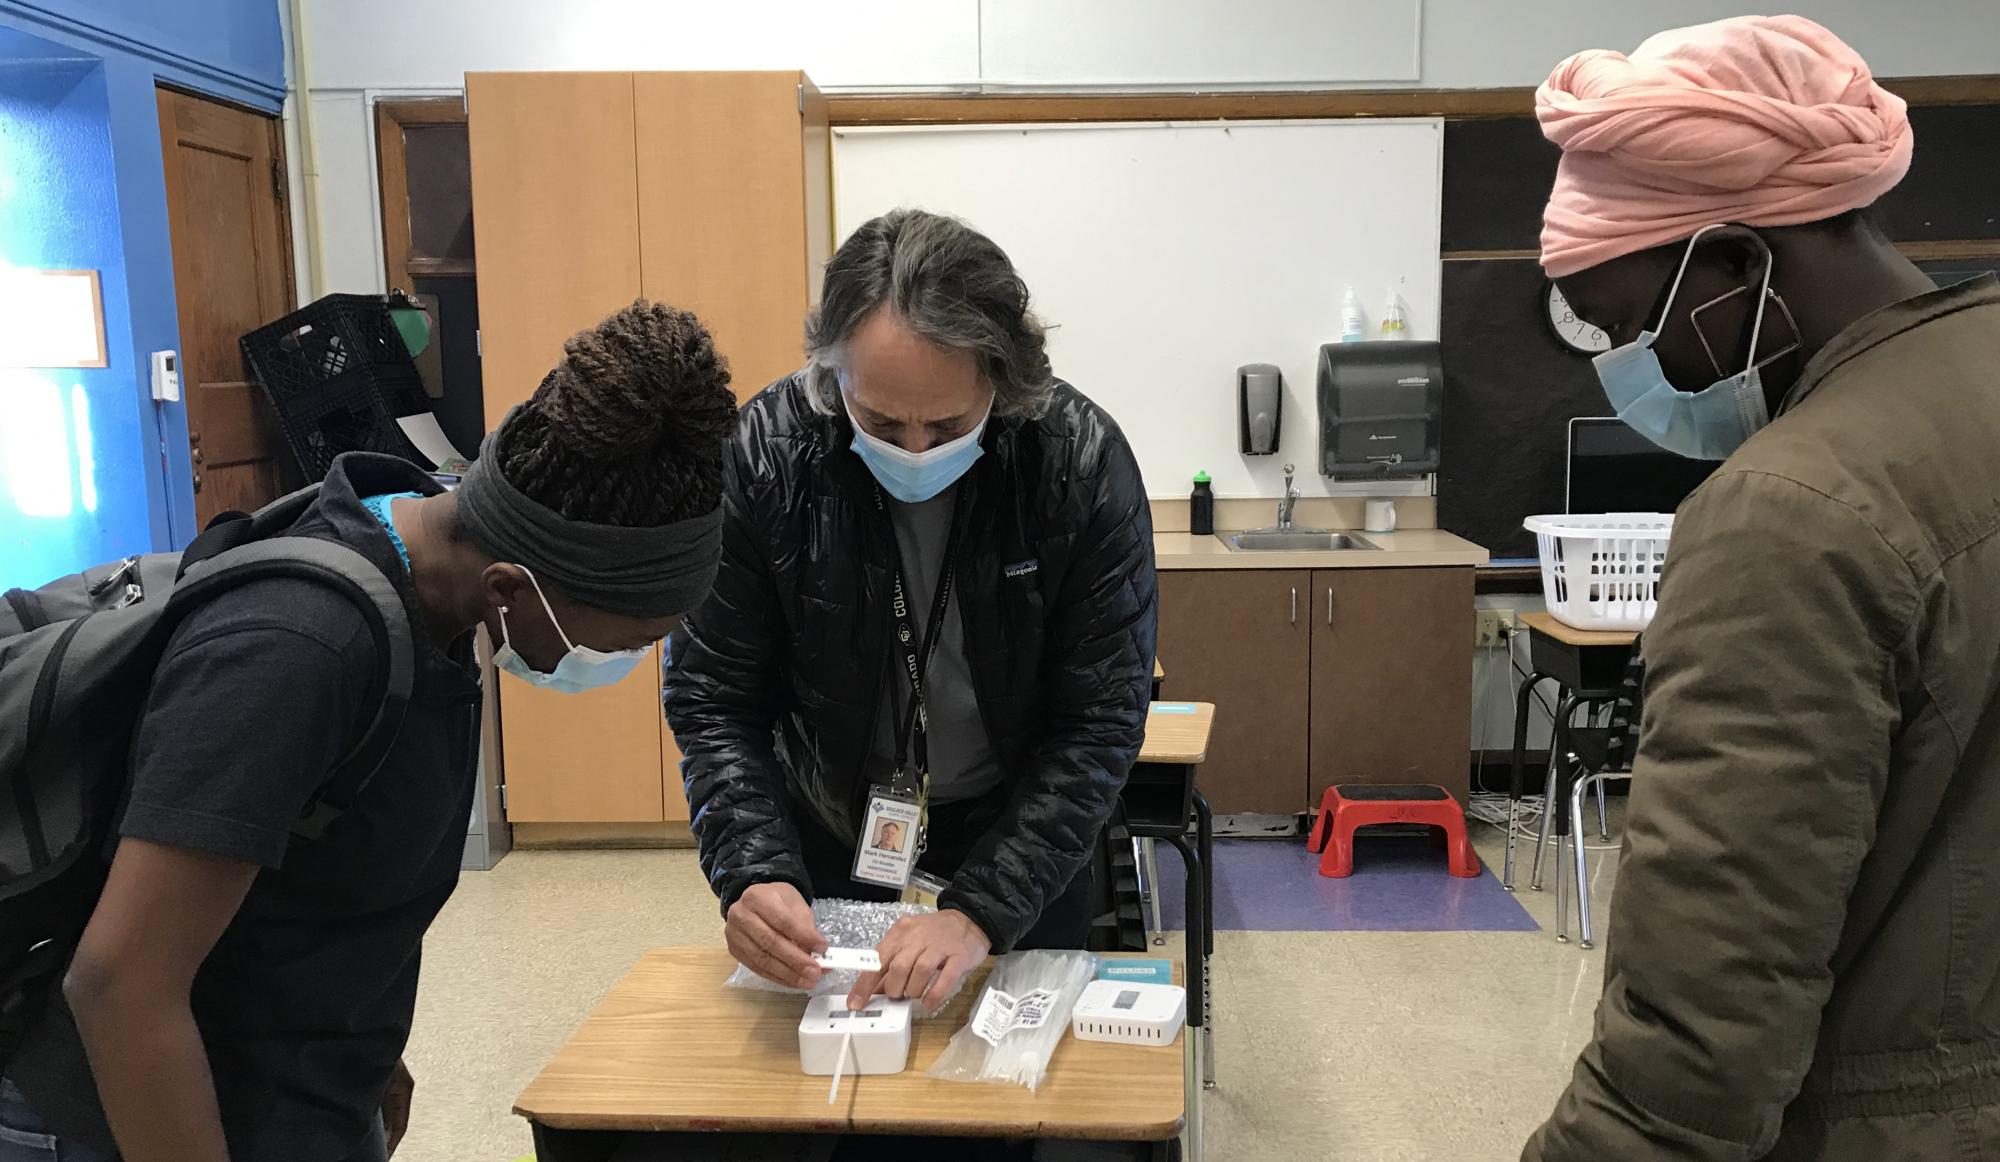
1381,516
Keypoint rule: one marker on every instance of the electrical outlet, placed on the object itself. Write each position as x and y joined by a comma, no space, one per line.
1490,627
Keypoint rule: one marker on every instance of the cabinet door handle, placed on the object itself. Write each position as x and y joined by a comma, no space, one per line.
1295,605
1329,605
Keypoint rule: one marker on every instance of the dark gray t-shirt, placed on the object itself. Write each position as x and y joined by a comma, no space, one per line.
962,761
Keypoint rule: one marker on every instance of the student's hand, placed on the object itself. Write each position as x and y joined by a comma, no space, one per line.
396,1105
770,931
923,957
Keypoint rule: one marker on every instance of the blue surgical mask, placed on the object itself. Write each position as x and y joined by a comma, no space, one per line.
582,668
914,477
1703,425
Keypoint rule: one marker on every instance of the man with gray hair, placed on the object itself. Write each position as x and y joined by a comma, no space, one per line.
936,610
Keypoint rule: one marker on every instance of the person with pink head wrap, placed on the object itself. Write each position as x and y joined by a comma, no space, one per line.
1765,121
1804,950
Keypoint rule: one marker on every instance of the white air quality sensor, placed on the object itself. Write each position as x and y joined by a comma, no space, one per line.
1130,1013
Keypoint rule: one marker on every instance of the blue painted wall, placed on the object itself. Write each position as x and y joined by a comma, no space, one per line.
61,501
77,92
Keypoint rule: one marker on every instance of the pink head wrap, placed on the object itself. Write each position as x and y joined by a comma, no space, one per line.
1762,120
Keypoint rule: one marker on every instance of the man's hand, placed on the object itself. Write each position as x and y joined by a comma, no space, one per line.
771,932
923,957
396,1105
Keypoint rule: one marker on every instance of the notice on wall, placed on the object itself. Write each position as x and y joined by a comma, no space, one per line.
50,318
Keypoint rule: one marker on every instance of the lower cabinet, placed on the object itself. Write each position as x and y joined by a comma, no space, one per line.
1359,675
1242,639
1391,678
603,756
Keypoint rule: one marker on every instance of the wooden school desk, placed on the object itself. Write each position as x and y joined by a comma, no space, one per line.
671,1051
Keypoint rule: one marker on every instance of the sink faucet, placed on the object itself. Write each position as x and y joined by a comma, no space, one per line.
1290,498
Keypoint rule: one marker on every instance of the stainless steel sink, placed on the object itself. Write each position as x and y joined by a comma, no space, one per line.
1294,540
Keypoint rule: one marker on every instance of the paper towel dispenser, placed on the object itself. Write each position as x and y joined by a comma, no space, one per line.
1379,409
1260,405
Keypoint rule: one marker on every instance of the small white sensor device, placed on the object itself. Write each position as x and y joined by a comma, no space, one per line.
874,1040
166,376
849,959
1129,1013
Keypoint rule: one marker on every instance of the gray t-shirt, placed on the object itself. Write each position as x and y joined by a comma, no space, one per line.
962,761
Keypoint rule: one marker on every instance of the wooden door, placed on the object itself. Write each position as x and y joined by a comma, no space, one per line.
1392,677
555,192
1241,639
232,273
733,209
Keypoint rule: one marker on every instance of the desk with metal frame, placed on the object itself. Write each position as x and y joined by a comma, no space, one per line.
1588,668
1162,804
673,1058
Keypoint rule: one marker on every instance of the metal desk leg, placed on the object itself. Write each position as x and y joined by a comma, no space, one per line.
1552,795
1516,773
1195,1128
1205,840
1197,977
1150,868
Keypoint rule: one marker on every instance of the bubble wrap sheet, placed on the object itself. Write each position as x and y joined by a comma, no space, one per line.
845,924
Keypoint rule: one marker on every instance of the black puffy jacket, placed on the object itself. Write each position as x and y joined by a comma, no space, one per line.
774,684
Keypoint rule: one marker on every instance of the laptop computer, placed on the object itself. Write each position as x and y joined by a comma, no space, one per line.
1615,469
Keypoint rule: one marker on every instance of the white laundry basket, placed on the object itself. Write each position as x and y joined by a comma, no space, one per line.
1603,571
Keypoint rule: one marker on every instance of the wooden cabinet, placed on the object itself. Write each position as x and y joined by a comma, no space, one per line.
1392,678
1242,639
1335,676
708,191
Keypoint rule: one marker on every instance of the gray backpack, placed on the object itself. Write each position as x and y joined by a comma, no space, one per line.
76,662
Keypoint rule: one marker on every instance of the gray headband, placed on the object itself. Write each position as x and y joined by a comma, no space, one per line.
649,572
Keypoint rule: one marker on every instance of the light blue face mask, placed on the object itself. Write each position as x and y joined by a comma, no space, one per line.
582,668
914,477
1703,425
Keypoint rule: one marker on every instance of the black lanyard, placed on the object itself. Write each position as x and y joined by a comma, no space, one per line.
912,720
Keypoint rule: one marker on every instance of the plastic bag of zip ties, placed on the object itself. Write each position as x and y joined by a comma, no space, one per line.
845,924
1021,1017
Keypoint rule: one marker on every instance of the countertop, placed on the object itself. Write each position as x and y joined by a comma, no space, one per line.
1410,548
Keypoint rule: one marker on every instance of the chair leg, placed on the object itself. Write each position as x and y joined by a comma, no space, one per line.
1515,772
1603,821
1152,866
1548,824
1582,861
1562,892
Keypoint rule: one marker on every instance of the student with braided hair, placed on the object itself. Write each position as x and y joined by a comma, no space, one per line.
240,995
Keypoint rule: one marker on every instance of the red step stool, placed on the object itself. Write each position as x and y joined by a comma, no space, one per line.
1342,809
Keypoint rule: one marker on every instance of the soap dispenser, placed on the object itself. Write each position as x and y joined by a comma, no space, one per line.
1260,402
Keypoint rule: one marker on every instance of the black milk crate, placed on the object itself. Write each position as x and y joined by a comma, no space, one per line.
338,375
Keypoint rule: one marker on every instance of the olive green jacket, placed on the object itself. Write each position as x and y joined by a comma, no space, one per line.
1804,950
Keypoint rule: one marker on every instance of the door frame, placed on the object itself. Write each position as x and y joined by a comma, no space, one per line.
393,183
170,187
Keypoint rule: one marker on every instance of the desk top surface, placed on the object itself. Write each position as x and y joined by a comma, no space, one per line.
670,1049
1546,623
1177,732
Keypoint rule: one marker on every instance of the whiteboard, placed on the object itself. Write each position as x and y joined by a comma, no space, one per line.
1165,256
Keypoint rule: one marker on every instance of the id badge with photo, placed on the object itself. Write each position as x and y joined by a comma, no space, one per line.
887,851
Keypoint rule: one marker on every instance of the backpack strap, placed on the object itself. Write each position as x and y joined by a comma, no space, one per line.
353,575
231,529
27,609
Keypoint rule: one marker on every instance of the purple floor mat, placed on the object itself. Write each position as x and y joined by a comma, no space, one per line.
1399,885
